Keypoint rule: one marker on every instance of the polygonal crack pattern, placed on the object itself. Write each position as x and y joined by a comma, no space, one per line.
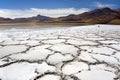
69,54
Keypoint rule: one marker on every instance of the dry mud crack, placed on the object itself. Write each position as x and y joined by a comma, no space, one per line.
79,53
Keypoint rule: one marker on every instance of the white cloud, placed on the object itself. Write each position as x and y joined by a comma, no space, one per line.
12,13
100,5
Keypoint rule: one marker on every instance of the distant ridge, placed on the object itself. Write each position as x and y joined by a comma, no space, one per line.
98,16
101,16
37,18
118,10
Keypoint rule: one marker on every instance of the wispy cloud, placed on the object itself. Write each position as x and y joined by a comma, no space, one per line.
11,13
100,5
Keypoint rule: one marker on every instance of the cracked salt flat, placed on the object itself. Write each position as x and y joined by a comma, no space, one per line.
50,77
102,67
53,41
75,42
0,46
95,38
107,59
6,50
36,53
96,75
99,50
117,46
109,42
75,53
65,49
58,58
86,57
44,67
24,71
30,42
74,67
10,42
117,55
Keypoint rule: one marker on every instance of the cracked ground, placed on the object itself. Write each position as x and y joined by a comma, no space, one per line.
75,53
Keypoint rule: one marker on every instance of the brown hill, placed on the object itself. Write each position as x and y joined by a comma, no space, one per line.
35,19
97,16
101,16
5,20
118,10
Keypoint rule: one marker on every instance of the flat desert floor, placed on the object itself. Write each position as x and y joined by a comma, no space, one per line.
74,53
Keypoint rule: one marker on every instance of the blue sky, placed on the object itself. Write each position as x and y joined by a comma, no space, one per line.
52,8
23,4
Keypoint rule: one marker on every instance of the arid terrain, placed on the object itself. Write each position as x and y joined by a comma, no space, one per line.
74,53
103,15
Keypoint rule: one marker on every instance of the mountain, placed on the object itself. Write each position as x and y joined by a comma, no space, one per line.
37,18
118,10
98,16
3,20
116,20
101,16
